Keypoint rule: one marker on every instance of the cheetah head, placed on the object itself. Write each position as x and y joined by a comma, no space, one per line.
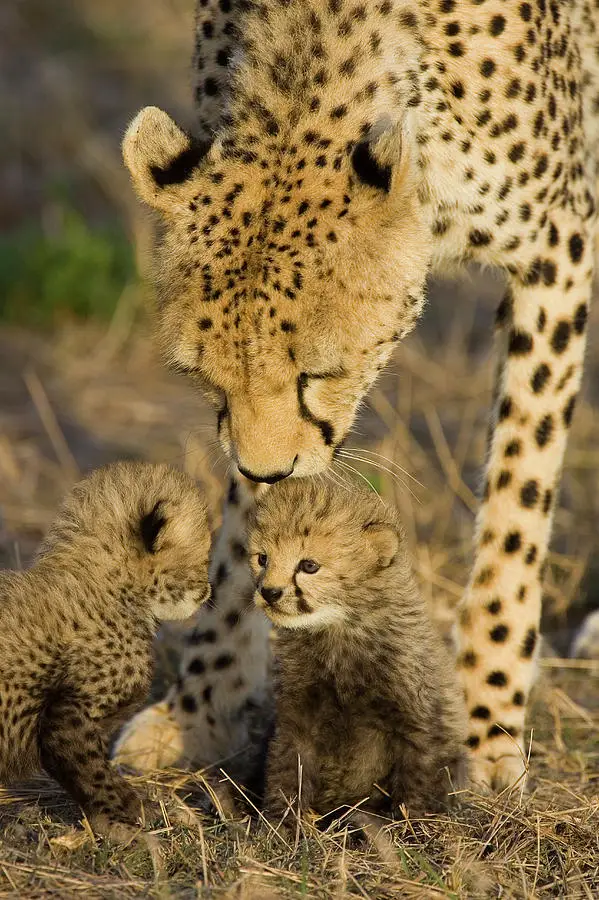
145,526
318,554
286,272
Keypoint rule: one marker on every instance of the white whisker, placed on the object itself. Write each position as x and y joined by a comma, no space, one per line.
377,465
360,475
386,459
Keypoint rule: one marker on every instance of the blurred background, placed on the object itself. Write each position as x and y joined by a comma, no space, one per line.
80,383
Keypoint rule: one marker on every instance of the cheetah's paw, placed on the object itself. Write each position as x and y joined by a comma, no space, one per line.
151,740
507,769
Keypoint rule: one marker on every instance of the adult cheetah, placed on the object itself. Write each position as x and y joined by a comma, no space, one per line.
346,149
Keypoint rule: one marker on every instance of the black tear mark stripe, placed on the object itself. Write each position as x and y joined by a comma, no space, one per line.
325,428
180,168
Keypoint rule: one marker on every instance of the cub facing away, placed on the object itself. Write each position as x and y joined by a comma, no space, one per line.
129,547
367,696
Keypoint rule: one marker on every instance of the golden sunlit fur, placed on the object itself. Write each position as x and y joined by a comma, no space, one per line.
345,150
129,548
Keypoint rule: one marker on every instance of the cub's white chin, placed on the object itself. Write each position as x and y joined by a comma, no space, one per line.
184,609
320,618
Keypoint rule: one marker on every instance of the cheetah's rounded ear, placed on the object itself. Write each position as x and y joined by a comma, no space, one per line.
160,158
385,541
379,156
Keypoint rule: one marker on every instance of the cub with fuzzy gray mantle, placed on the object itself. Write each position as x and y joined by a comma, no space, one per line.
129,548
367,697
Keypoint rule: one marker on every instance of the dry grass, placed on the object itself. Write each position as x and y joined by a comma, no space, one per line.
542,844
88,396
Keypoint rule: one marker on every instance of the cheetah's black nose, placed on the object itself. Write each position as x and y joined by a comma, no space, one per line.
271,595
272,478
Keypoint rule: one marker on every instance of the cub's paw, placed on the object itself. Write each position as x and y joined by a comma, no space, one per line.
586,640
151,740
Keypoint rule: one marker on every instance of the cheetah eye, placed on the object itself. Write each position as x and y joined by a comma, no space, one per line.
309,566
262,560
369,170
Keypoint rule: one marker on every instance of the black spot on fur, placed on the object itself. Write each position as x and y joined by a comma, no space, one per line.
540,377
222,573
544,431
189,704
150,527
232,619
504,479
196,666
223,661
513,542
561,336
529,643
580,318
505,408
480,712
497,679
479,238
569,411
514,448
529,494
499,633
531,555
520,343
576,247
497,730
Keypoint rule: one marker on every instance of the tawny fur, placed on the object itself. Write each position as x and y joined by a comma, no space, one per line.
129,548
367,699
347,149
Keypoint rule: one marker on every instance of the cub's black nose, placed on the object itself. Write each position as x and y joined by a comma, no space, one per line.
271,595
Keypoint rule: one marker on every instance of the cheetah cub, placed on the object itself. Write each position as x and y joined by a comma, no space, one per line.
129,547
367,698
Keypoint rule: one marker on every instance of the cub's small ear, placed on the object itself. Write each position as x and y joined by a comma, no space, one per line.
150,526
385,541
160,158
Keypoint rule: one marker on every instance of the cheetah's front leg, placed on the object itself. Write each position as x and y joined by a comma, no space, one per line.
542,320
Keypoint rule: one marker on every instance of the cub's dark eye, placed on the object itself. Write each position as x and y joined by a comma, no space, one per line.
309,566
262,560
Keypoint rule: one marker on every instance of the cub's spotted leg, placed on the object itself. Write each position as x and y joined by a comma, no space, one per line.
542,320
73,750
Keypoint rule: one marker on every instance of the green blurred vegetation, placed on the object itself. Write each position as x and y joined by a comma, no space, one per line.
63,268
